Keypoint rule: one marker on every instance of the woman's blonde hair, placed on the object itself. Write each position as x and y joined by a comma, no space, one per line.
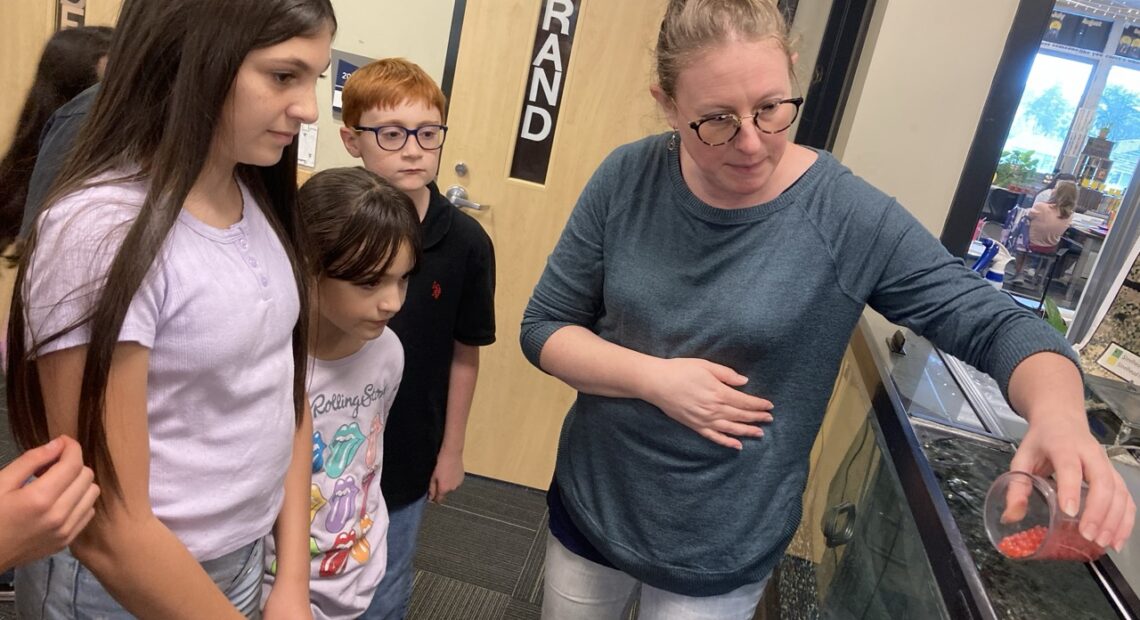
692,26
1064,197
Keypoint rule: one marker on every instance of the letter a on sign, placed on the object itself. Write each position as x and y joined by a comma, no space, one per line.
550,59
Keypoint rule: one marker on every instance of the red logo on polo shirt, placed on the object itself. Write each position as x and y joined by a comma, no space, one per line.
436,290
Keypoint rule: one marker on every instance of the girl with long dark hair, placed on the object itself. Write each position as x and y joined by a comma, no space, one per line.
71,62
160,317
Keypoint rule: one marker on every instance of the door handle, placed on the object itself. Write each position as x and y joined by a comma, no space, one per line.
457,194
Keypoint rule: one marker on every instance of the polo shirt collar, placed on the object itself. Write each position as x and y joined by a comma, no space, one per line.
437,220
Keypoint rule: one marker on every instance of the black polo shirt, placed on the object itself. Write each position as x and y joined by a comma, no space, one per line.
451,297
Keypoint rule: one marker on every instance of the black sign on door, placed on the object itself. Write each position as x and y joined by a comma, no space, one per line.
557,22
72,14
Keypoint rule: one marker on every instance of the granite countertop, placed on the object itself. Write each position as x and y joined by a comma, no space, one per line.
1121,325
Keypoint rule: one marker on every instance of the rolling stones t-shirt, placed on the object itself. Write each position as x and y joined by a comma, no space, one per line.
350,399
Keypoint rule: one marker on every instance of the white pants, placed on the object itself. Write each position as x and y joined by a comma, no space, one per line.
578,589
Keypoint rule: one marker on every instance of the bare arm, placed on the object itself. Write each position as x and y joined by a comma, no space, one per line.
289,597
165,581
1046,388
448,474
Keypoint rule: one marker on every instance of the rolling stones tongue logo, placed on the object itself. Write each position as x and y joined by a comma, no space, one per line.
367,486
373,442
336,558
316,502
318,453
342,504
345,443
362,550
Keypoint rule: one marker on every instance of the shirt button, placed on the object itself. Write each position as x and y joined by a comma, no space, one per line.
252,261
264,281
243,244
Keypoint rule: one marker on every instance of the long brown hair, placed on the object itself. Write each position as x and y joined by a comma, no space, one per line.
170,69
67,67
1064,197
356,223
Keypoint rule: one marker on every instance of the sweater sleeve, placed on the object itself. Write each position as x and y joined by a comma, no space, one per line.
923,287
569,292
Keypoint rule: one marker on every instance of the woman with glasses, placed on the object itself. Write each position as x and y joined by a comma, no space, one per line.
700,300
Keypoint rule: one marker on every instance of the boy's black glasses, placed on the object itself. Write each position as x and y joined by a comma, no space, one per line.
394,137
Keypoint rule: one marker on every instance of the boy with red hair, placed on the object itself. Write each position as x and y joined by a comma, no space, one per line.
394,117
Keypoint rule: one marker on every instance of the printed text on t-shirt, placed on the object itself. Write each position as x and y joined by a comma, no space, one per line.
328,403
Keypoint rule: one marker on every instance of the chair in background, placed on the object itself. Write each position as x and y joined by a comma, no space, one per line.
998,203
1047,267
992,230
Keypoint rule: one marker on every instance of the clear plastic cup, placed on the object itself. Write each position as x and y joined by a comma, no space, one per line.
1045,532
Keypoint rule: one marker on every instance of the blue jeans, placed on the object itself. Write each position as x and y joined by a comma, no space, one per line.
60,587
391,599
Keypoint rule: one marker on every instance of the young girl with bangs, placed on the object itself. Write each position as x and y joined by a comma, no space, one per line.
160,317
364,240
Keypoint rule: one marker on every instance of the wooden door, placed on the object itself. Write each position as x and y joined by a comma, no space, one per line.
25,25
518,410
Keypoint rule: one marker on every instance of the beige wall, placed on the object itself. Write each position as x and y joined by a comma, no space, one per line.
923,79
25,26
368,28
917,100
380,30
102,12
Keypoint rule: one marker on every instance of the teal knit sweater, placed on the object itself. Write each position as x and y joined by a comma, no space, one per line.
773,291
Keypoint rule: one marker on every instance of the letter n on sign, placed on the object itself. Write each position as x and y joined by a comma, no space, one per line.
557,22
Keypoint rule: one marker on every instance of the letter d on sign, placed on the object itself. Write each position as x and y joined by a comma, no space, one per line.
72,13
528,122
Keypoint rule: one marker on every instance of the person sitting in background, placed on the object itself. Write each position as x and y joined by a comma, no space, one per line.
1043,195
1048,221
72,61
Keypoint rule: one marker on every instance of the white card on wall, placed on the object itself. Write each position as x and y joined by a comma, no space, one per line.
307,146
1121,362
